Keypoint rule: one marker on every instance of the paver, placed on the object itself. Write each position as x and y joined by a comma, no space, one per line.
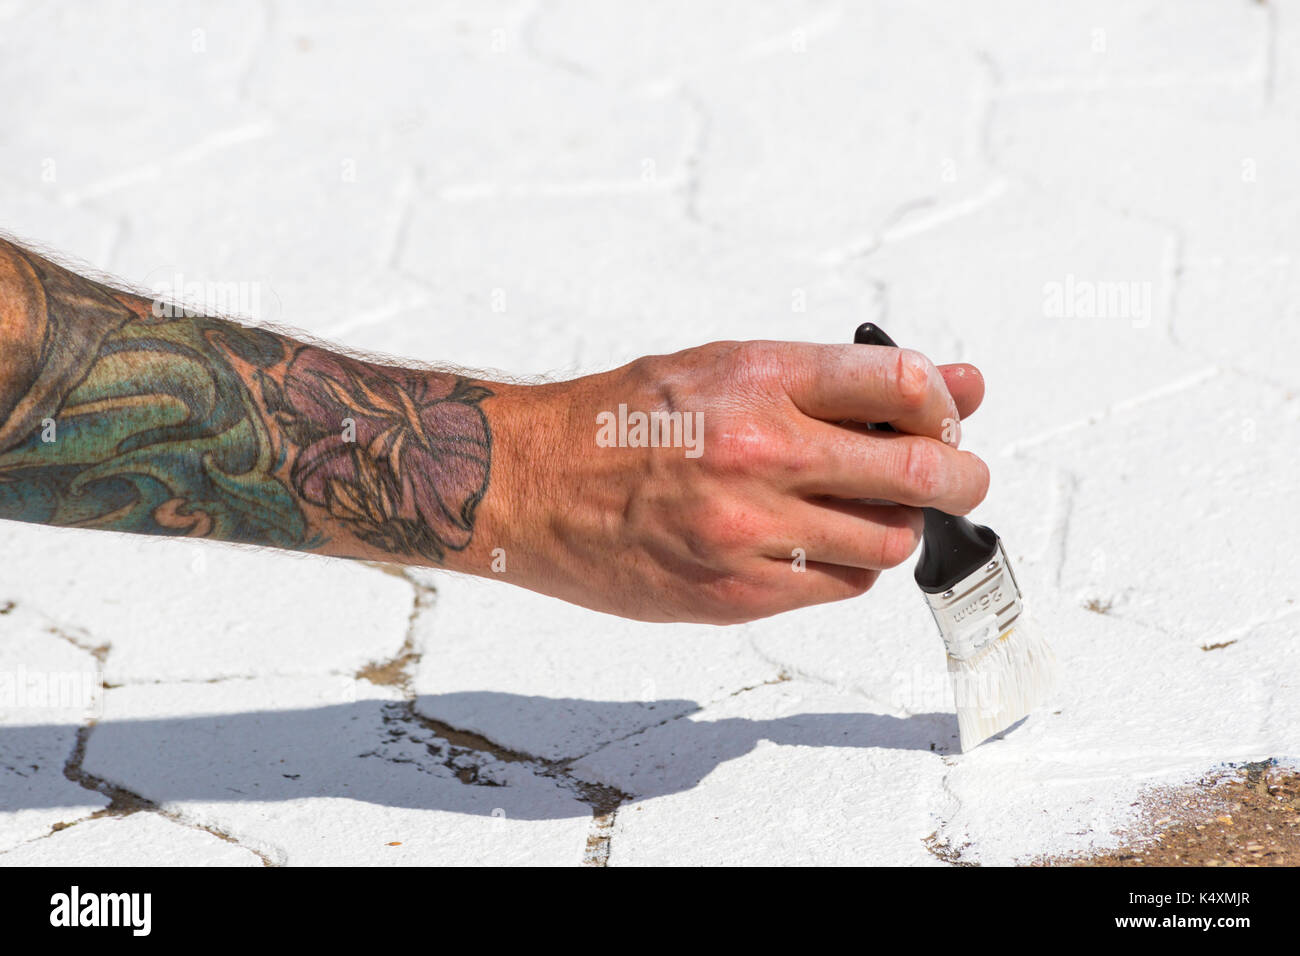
47,690
327,770
175,610
140,839
841,782
554,680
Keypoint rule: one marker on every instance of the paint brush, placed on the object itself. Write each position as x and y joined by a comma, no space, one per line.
1000,666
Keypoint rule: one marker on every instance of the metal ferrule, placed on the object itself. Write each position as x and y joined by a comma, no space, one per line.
979,609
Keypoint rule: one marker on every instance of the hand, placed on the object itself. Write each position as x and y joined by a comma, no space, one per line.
656,534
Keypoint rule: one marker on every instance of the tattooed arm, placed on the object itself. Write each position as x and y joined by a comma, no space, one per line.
117,414
123,414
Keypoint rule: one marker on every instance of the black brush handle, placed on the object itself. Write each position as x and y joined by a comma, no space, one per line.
952,548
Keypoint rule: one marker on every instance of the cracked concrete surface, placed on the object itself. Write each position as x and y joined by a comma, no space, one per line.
557,187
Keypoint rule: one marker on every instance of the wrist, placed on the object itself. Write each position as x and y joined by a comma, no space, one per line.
513,520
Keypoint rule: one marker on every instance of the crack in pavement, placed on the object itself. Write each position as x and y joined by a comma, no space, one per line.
470,756
122,801
467,754
1017,448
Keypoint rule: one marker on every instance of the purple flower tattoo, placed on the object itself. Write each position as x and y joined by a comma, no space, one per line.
401,456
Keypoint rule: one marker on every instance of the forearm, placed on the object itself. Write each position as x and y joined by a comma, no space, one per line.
114,416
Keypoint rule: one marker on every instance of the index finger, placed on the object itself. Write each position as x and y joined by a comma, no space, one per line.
872,383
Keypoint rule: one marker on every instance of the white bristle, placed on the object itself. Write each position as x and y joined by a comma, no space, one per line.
1001,683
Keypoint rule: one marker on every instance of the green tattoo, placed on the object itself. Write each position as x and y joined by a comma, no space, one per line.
113,417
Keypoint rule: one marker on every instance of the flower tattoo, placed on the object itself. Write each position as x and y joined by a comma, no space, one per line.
401,457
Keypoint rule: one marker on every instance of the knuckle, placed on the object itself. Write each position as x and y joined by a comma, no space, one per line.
742,446
912,379
923,469
973,485
754,367
793,455
980,480
861,580
730,450
897,544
